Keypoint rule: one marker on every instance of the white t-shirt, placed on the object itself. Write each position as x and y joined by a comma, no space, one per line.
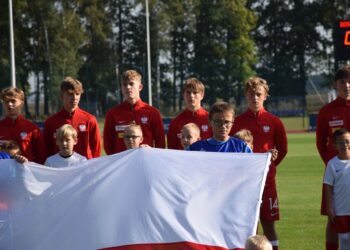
338,175
57,161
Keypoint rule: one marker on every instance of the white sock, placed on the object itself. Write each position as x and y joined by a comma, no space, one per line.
274,243
344,240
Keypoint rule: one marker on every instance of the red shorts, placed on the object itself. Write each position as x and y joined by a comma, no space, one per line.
269,209
3,205
341,224
323,201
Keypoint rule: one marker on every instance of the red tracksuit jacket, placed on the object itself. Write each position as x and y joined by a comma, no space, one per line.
199,117
124,114
332,116
27,135
268,132
89,138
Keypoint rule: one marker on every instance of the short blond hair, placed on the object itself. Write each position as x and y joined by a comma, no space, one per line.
191,126
65,131
12,92
245,135
254,82
72,85
133,127
193,84
258,242
131,75
10,145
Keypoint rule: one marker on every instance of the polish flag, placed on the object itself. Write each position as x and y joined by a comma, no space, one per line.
142,199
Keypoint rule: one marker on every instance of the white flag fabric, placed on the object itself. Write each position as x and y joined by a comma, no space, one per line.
138,199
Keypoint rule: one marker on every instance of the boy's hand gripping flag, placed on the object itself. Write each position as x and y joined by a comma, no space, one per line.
138,199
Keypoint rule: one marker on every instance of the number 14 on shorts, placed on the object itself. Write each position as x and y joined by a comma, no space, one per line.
273,206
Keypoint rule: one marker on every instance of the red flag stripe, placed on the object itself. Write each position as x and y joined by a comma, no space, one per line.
169,246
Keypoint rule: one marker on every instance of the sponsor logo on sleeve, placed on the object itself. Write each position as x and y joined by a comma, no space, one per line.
336,123
120,127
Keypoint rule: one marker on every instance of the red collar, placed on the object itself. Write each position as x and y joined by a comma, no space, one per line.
139,103
257,114
342,101
10,121
194,113
65,113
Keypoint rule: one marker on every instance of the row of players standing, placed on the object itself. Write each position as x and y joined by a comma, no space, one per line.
268,131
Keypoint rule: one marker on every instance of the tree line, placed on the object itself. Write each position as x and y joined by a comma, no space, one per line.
221,42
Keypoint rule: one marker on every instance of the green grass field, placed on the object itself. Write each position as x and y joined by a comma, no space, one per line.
295,123
299,181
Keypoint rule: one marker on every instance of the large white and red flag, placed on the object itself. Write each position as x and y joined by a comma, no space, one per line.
139,199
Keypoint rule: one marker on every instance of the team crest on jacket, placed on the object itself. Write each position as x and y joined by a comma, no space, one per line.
82,127
23,135
266,128
204,128
144,119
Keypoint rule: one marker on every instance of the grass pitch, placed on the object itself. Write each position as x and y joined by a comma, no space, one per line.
295,123
299,180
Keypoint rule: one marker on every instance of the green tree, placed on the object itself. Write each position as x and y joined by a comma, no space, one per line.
38,14
5,78
292,44
66,40
21,33
224,51
97,72
128,39
119,15
177,35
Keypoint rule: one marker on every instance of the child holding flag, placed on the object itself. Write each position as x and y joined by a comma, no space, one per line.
190,133
221,117
66,139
